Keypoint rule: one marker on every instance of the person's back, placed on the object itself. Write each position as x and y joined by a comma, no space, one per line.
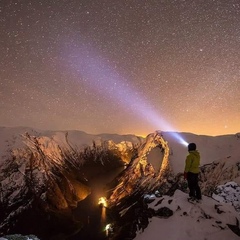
192,162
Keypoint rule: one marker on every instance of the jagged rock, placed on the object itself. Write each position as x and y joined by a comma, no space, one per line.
125,150
164,212
228,193
19,237
235,228
146,172
48,179
67,193
218,173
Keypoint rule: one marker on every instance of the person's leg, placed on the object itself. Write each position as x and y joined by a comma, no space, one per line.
198,190
191,185
195,186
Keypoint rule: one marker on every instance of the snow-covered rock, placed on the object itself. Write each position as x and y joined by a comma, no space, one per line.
161,152
19,237
228,193
175,218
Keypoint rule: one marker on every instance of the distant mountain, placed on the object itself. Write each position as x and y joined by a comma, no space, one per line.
11,138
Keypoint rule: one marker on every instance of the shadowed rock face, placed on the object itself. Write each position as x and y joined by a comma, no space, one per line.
150,170
36,184
42,182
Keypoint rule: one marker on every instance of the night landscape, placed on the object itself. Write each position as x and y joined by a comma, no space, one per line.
99,100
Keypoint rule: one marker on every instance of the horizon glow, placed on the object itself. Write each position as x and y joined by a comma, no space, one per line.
95,72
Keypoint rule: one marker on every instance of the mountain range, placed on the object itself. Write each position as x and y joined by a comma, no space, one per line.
49,173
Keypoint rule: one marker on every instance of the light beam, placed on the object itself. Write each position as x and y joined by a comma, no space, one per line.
179,138
96,72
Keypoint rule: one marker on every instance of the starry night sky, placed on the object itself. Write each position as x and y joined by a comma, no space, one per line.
121,66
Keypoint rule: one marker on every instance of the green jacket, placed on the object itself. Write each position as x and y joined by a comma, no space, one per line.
192,162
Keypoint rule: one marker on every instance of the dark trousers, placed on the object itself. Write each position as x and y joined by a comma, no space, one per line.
194,188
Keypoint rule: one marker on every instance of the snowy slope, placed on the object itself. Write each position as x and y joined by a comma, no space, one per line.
210,148
176,219
11,138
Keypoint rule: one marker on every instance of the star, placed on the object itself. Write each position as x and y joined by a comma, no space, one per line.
120,67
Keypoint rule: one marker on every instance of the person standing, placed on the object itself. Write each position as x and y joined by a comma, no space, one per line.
191,172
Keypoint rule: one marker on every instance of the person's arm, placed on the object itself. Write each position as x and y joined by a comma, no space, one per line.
187,166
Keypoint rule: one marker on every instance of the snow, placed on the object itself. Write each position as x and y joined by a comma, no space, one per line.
19,237
12,139
189,221
210,148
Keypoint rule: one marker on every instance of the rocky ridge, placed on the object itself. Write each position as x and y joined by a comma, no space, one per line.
46,175
43,167
145,173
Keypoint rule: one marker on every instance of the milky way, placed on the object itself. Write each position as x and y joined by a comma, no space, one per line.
110,66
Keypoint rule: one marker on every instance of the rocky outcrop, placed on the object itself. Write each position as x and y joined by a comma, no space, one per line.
47,178
173,217
125,150
218,173
147,171
37,177
150,174
228,193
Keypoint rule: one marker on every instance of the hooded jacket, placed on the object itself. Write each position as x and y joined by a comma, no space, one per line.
192,162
